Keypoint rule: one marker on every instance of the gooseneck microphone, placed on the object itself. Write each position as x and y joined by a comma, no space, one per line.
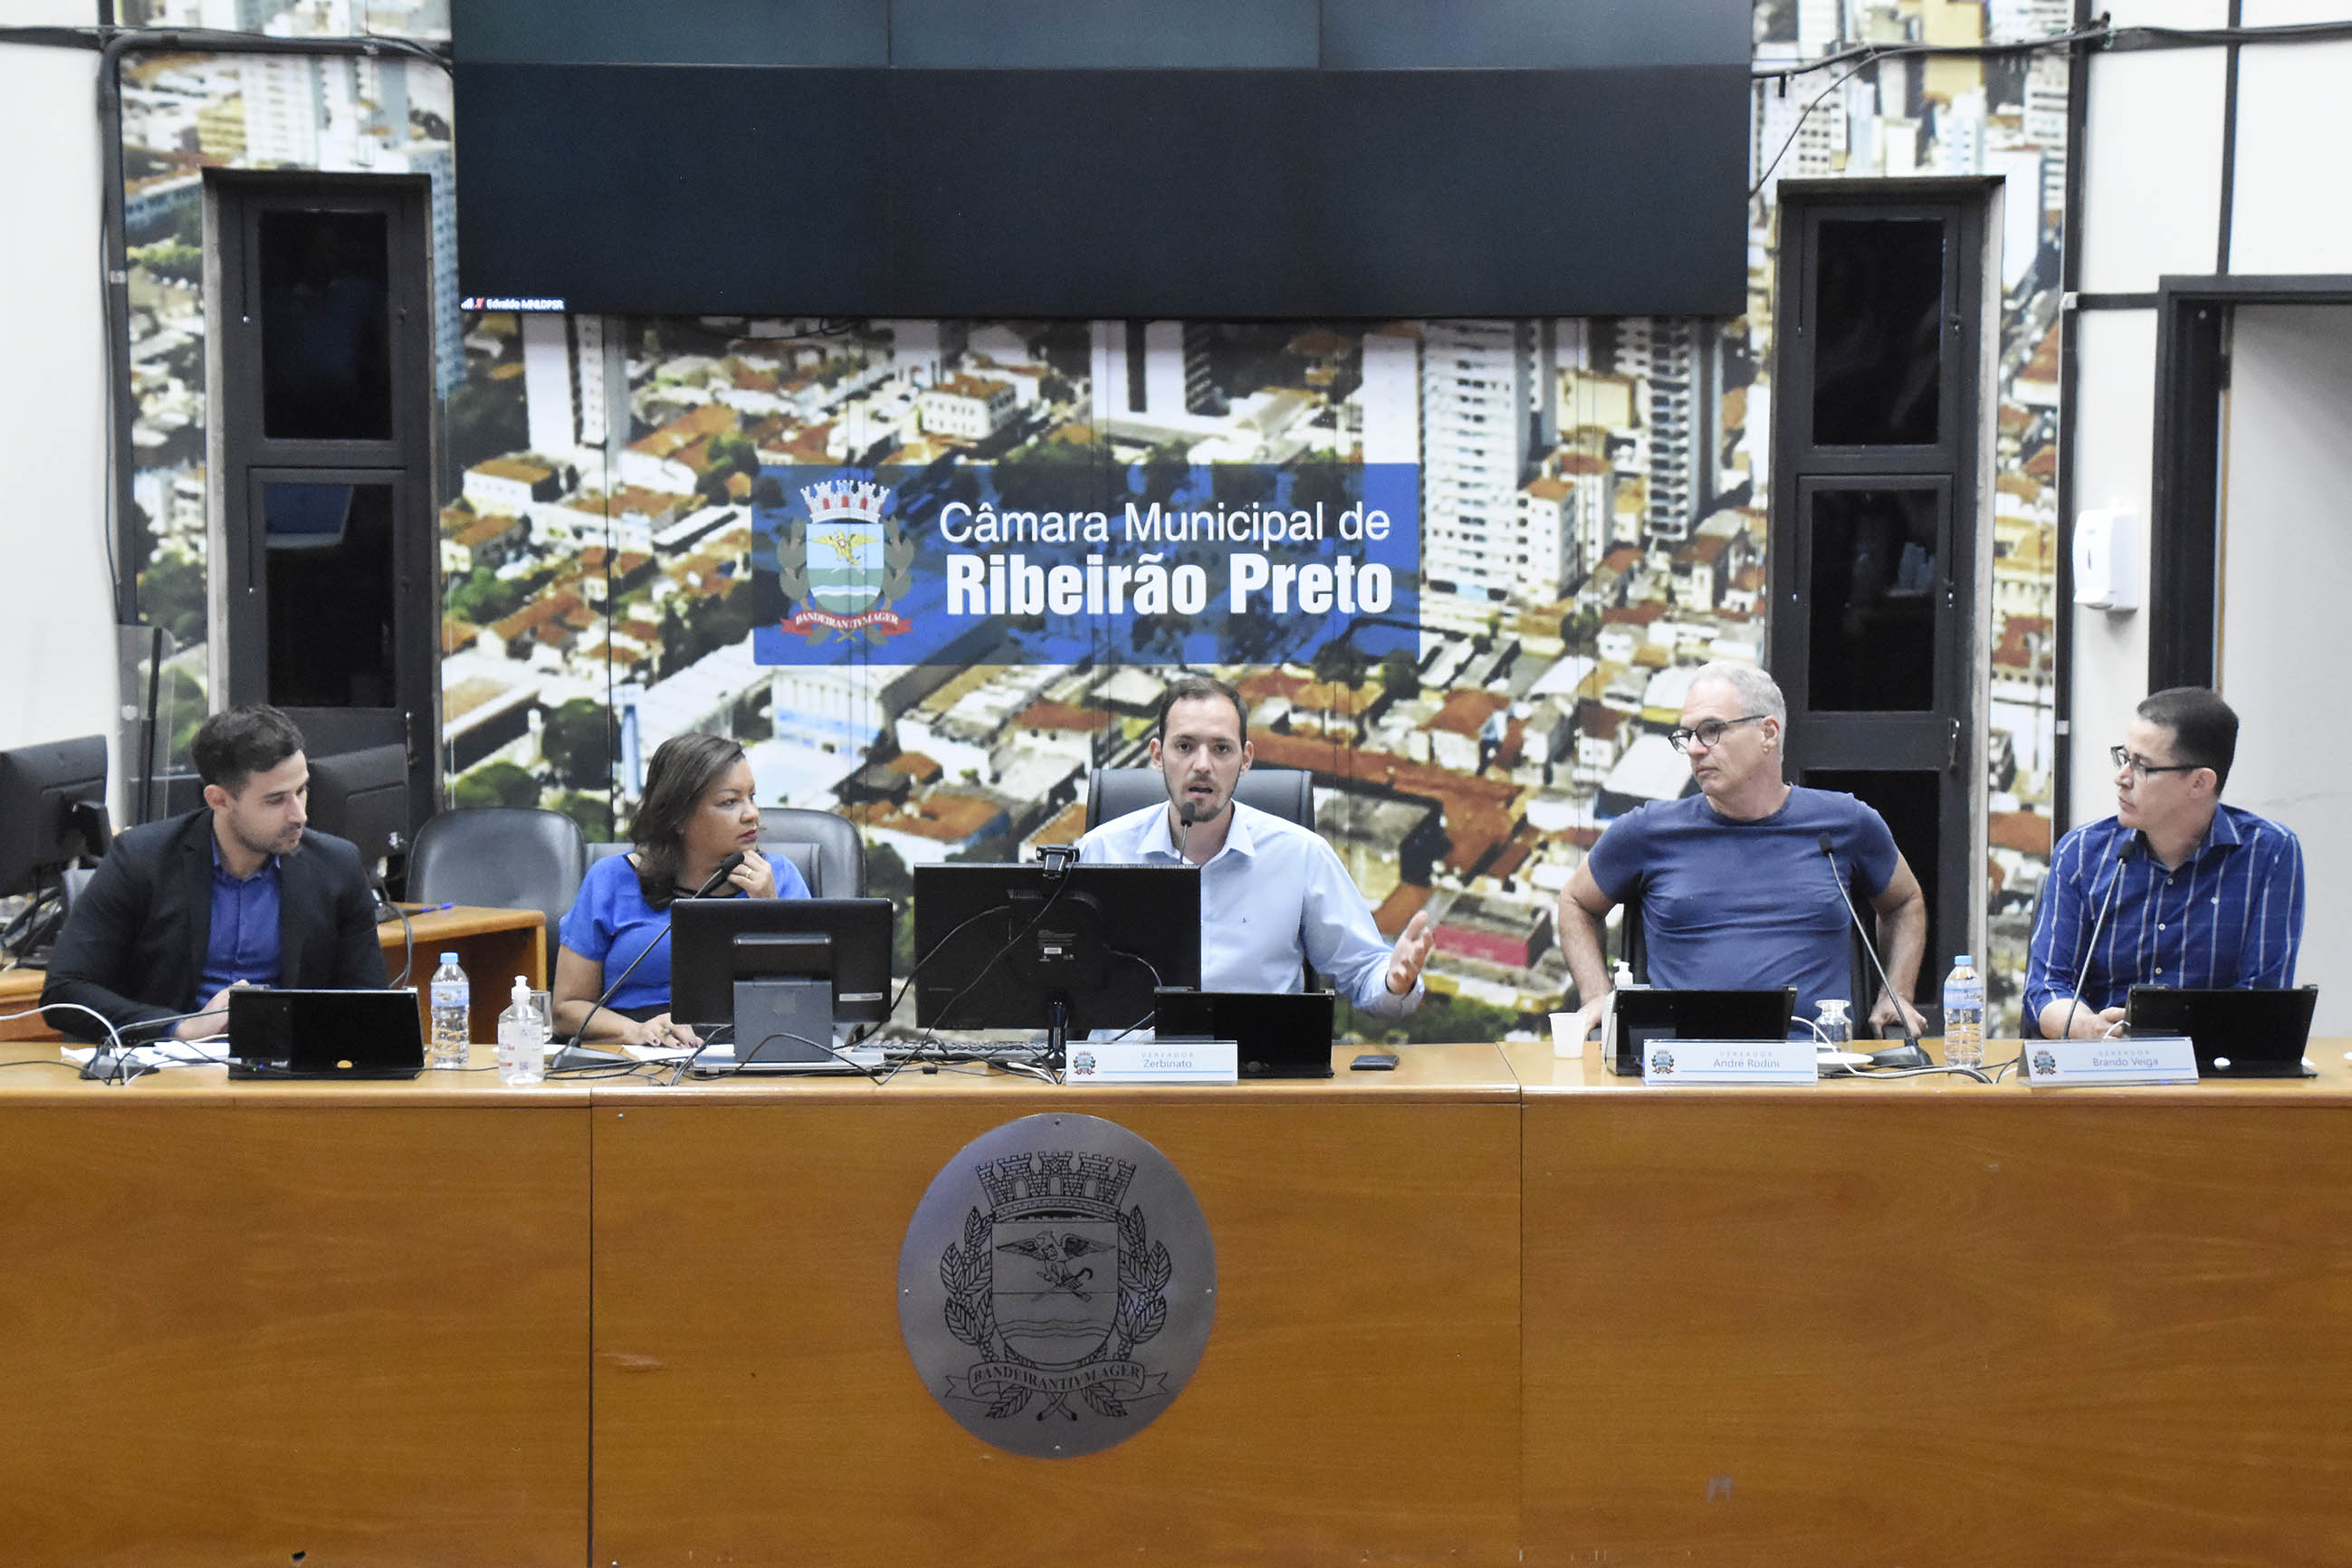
2124,853
1912,1056
1187,813
570,1056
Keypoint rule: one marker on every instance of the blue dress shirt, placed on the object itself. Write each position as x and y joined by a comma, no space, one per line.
2230,915
244,943
611,923
1275,894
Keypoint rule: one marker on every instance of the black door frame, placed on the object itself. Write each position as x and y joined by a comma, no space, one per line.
1948,741
2192,370
245,455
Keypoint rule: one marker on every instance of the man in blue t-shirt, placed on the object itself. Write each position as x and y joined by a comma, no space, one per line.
1735,891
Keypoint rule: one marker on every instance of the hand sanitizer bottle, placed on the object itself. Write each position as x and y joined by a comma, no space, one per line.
522,1057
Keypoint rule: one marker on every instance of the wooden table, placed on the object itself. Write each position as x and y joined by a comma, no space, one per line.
1935,1323
248,1322
492,945
1491,1308
1358,1398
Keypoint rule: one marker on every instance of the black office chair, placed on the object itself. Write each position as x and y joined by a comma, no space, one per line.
1287,793
1633,951
825,849
838,860
499,857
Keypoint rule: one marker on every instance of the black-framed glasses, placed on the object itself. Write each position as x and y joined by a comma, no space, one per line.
2141,767
1709,732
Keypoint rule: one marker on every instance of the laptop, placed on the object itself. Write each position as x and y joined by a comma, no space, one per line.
2236,1034
1644,1013
325,1034
1277,1033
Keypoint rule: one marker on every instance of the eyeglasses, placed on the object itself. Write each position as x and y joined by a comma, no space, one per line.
1709,732
2141,767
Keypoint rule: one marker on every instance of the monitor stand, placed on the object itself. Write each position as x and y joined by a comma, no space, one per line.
783,1021
1057,1033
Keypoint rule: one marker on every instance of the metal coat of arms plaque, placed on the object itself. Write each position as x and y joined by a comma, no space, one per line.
1056,1286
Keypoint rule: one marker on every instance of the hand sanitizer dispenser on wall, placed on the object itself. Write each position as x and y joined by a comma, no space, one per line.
2106,560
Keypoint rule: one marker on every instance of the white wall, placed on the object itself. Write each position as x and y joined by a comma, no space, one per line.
2152,171
57,662
2286,565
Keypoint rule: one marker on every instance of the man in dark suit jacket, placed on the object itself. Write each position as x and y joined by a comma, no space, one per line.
239,892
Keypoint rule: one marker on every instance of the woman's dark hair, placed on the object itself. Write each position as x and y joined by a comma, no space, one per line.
683,770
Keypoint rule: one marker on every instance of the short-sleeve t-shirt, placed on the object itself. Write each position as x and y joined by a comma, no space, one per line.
1739,906
611,922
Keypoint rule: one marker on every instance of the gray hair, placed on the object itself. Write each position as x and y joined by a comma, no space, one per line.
1756,691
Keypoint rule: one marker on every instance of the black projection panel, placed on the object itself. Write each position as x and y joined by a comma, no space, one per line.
1125,158
1531,34
674,32
676,190
1104,35
1579,199
1080,192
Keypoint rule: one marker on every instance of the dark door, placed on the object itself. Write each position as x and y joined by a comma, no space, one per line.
1876,534
323,356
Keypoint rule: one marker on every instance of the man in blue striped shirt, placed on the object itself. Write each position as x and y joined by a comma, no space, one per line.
2197,893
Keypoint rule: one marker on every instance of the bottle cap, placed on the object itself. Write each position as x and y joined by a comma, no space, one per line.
521,992
1962,960
448,958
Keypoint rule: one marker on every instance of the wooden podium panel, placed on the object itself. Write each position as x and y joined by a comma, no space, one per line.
1357,1400
492,945
272,1323
1868,1323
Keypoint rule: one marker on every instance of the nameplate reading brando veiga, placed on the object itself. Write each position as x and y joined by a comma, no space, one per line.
1056,1286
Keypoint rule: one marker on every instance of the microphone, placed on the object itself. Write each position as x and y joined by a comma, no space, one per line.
718,878
2124,853
1187,813
1910,1055
573,1055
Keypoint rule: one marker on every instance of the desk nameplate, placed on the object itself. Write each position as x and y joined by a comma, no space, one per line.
2143,1059
1153,1061
1678,1063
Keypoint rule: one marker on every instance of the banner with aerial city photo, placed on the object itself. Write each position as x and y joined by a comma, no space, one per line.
1576,511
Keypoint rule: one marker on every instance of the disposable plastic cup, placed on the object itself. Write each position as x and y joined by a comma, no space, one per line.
1567,1039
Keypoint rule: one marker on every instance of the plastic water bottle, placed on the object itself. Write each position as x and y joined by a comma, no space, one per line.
1964,1014
453,1012
522,1054
1832,1030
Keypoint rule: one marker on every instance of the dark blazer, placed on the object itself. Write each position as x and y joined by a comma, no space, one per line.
133,948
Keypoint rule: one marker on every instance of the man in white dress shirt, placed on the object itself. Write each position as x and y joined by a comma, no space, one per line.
1273,895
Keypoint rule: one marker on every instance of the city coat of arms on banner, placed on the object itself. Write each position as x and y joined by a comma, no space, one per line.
1057,1285
846,564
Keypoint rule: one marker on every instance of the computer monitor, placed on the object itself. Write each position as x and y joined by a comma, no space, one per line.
52,809
798,967
362,795
1062,949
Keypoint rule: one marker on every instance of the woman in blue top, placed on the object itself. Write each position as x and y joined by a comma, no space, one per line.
698,809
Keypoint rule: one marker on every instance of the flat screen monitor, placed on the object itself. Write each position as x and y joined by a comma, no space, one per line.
52,809
1065,950
362,795
1647,1013
715,943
